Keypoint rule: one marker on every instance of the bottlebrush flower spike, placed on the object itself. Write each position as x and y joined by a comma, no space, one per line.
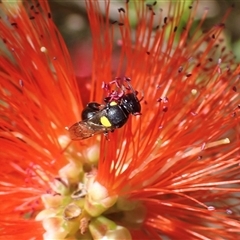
173,171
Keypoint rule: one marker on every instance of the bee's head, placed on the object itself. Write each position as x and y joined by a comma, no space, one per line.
131,103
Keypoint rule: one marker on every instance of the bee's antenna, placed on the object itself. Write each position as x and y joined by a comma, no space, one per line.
142,97
131,88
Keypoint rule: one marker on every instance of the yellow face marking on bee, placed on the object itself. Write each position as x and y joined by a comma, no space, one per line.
105,122
113,103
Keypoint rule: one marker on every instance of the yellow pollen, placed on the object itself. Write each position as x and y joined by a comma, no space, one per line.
43,49
194,91
113,103
105,122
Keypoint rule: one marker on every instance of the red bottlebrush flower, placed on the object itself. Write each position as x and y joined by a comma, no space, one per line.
171,172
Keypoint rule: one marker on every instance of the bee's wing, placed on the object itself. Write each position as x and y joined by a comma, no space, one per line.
88,128
81,130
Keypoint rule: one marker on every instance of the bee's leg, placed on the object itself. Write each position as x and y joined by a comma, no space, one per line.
106,136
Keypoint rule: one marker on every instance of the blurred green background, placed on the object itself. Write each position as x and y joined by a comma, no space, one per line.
71,19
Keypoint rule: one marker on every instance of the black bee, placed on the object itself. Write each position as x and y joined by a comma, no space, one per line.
103,118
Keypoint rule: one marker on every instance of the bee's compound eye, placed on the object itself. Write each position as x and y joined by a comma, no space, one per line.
131,103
